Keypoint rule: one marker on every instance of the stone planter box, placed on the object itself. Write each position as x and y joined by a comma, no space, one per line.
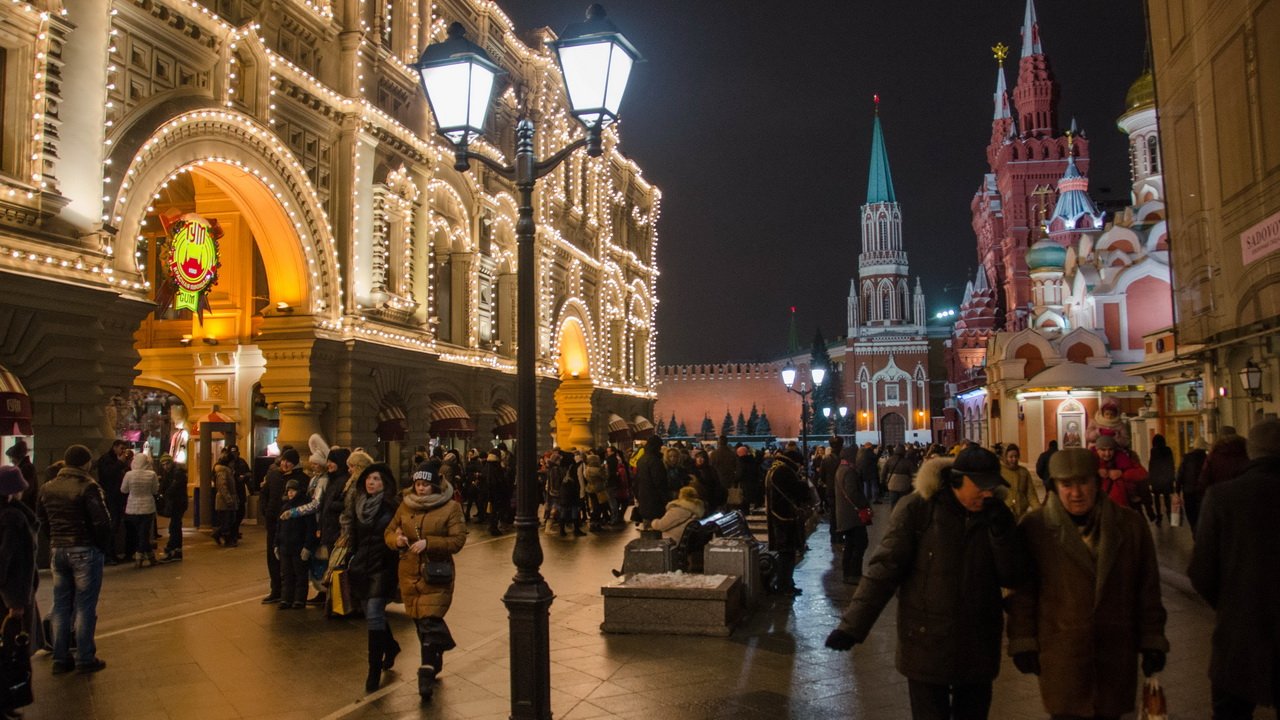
673,604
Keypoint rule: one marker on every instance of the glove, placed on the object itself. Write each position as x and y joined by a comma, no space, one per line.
1000,520
276,552
1028,663
306,554
840,640
1152,662
286,514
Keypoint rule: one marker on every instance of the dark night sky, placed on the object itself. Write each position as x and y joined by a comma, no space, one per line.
756,125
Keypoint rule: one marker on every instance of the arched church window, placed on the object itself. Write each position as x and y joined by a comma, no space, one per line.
886,305
1153,154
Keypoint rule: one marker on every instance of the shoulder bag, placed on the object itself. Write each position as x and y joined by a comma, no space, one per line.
15,665
435,572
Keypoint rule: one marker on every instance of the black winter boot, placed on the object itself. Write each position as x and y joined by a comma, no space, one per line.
426,682
376,648
390,648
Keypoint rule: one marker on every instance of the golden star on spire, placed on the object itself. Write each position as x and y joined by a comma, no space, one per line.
1001,51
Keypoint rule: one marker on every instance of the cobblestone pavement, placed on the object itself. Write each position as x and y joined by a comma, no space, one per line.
191,641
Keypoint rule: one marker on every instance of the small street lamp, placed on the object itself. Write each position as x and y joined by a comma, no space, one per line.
1193,396
1251,381
817,374
458,79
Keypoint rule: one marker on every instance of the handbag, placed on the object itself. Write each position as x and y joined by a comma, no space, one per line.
1154,705
339,557
1175,510
437,572
735,497
341,603
15,665
865,514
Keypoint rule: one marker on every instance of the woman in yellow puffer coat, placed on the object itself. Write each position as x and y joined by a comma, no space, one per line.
427,528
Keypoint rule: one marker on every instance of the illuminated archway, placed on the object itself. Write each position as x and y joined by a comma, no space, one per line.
573,396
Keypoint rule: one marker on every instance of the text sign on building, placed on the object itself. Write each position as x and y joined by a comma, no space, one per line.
191,262
1260,240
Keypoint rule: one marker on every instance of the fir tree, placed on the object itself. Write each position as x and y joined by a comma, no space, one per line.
708,427
661,430
822,396
762,425
726,428
835,379
671,426
753,421
742,424
683,431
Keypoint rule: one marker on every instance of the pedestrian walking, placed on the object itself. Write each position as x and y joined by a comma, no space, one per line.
1022,497
1160,473
140,486
111,468
1234,567
1189,478
827,485
651,481
1226,459
427,531
74,508
787,507
897,473
18,579
850,503
1093,606
225,501
372,565
173,490
947,553
1042,466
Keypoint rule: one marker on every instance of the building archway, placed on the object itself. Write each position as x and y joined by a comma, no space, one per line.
573,396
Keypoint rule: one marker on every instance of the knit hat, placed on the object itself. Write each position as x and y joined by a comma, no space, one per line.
290,455
423,472
1105,442
1264,439
358,460
338,456
293,484
77,456
11,481
1073,463
981,466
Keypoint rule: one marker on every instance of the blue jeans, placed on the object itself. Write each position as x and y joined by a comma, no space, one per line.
77,580
375,613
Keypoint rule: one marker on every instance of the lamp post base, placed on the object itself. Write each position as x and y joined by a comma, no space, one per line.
528,602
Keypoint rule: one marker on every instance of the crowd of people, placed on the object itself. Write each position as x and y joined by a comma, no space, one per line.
974,547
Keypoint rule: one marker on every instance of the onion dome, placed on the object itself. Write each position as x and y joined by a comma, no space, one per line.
1142,93
1046,254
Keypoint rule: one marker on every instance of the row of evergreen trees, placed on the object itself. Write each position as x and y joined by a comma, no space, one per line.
757,423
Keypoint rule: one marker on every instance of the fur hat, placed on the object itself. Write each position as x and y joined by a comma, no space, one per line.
319,450
981,466
358,460
11,481
18,449
1105,442
689,492
1264,439
338,456
492,457
293,484
388,479
77,456
290,455
1073,463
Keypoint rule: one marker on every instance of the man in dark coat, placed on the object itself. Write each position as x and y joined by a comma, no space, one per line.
787,507
1226,459
1094,604
285,469
111,468
1042,465
867,465
651,482
725,461
950,547
1188,476
1235,567
827,482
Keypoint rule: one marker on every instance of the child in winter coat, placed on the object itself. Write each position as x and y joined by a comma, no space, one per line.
296,541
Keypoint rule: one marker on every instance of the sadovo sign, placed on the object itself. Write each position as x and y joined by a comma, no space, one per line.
1260,240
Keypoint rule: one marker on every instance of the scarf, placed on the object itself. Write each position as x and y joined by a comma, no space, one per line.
1090,527
367,510
420,503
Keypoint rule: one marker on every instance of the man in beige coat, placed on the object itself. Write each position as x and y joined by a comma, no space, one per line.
1094,605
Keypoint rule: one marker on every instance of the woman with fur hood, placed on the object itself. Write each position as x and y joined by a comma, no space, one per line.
140,484
680,512
951,545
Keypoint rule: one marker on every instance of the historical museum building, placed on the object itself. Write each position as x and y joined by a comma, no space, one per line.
883,363
237,216
1217,83
1065,298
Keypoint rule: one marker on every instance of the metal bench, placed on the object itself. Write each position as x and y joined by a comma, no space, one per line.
688,552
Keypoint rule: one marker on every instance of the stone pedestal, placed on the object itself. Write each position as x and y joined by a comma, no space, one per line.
649,553
735,556
673,604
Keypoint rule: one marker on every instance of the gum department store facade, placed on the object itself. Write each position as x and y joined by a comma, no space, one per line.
366,289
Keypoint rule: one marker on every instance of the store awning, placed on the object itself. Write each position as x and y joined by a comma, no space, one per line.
619,430
504,426
448,418
391,424
1078,376
15,405
641,427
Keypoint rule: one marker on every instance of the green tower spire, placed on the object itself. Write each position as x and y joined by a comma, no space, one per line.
880,181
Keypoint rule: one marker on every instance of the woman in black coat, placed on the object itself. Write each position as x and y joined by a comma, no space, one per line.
17,558
1160,474
372,565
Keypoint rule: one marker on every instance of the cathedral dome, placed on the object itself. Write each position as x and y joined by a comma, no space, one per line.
1045,254
1142,93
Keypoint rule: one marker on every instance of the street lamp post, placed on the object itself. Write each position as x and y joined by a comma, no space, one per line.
817,374
843,412
458,79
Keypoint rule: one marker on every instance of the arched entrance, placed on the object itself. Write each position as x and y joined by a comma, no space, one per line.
893,429
573,396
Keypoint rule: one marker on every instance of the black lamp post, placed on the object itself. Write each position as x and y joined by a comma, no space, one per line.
817,374
458,79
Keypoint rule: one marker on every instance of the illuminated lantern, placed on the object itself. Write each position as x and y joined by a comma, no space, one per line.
191,261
